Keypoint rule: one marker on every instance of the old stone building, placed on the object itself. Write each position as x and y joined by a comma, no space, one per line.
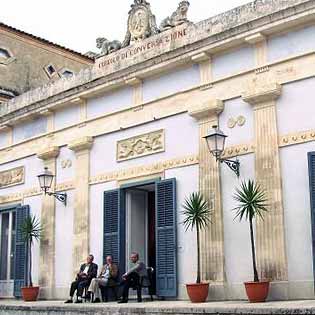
28,62
124,140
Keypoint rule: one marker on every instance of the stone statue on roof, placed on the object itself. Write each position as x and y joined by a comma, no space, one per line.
179,17
141,23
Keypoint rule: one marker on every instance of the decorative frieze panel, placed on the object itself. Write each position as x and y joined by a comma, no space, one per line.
12,177
238,150
145,144
145,170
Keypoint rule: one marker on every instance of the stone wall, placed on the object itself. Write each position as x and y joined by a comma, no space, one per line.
25,70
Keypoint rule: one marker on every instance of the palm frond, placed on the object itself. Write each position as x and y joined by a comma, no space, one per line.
196,212
31,229
252,201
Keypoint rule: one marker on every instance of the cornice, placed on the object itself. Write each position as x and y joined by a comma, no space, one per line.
206,110
204,39
81,144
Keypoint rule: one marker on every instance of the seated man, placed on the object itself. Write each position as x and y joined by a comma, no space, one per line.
87,272
107,278
131,279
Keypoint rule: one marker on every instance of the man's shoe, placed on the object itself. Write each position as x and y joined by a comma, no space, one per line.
78,301
68,301
97,300
122,301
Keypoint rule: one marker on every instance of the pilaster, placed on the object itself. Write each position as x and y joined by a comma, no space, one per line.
270,241
260,43
81,231
8,129
49,114
204,61
48,220
136,84
212,245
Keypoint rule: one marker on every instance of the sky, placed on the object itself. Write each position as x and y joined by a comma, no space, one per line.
76,24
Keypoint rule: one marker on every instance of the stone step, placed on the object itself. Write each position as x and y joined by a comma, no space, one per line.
157,308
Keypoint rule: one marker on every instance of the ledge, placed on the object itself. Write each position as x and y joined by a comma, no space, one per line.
78,145
207,109
48,153
262,93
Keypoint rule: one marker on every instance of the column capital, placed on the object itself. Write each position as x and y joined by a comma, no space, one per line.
202,57
256,94
81,144
206,110
255,38
133,81
48,153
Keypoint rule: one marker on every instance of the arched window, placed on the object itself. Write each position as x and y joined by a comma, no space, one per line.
4,53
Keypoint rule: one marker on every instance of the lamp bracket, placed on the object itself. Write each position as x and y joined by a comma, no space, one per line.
234,165
62,197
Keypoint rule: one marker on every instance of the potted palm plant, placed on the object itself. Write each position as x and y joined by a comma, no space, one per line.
252,204
197,216
31,231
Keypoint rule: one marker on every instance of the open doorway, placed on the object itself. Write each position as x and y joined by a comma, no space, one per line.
141,217
140,227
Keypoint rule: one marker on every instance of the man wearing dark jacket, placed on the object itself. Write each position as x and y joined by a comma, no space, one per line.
87,272
132,278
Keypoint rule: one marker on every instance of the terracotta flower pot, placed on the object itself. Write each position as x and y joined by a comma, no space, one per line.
198,292
30,294
257,291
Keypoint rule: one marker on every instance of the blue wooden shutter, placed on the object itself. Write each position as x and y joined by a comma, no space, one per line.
166,242
20,261
114,227
311,170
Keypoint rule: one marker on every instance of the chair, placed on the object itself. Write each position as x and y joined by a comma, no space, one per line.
146,282
113,287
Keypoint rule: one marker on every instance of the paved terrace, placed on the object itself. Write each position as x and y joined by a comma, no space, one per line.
156,308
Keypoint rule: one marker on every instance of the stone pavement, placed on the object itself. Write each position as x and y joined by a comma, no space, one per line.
12,307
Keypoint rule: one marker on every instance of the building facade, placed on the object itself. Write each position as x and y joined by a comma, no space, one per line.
28,62
125,142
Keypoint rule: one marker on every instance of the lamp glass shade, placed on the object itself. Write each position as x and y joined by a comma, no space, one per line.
216,142
45,179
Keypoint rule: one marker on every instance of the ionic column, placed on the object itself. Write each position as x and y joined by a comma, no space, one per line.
81,232
212,246
271,253
47,243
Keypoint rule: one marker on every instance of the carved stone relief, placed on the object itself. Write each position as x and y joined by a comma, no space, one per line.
142,145
12,177
179,17
239,121
66,164
141,23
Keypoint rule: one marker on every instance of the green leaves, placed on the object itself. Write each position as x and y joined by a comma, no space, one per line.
196,212
31,229
252,201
